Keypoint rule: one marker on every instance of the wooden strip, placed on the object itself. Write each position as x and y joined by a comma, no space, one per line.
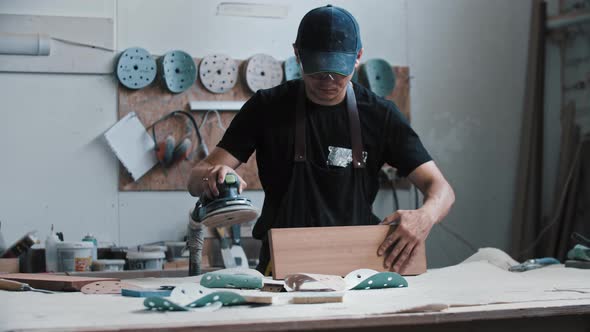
53,282
333,250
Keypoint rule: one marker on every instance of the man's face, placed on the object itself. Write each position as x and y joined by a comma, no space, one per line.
327,88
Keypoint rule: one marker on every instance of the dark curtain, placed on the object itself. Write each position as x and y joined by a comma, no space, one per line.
527,212
571,211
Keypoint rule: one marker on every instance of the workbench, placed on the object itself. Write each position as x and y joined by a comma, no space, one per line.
468,296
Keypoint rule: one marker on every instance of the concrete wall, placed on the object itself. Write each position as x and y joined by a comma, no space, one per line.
467,60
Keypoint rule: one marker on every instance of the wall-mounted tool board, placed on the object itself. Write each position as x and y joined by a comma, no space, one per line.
154,101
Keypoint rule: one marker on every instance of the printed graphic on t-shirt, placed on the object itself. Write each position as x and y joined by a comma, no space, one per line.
341,157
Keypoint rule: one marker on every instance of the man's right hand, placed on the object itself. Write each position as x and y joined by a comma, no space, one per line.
212,170
216,174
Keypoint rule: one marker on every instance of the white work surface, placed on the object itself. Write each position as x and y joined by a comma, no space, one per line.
468,287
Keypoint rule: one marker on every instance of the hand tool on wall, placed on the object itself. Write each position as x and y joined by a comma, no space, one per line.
11,285
236,248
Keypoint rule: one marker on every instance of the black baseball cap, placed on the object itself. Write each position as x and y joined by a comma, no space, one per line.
328,40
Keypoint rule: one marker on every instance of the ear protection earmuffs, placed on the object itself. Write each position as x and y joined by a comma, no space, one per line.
167,151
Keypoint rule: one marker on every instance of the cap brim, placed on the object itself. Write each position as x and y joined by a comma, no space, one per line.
327,62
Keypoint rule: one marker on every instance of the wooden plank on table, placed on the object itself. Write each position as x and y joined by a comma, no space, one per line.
333,250
9,265
54,282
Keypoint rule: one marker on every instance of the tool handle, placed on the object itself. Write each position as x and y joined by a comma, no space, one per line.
235,234
11,285
230,186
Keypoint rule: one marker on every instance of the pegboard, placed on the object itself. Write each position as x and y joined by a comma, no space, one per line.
154,101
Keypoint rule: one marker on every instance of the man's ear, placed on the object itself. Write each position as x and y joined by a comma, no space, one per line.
358,58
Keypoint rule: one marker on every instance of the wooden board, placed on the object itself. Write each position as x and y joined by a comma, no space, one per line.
333,250
152,102
9,265
54,282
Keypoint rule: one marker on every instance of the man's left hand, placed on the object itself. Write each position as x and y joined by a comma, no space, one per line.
412,229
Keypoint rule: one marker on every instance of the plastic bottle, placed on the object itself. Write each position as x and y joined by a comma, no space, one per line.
51,251
90,238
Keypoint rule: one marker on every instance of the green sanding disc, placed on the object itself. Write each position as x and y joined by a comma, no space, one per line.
223,280
378,76
383,280
136,68
355,76
292,69
178,70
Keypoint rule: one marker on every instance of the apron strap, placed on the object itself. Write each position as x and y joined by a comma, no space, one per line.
355,128
300,125
354,123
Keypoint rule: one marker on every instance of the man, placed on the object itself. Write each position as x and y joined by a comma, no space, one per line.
320,143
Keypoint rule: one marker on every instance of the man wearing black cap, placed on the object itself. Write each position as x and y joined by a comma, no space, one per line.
320,143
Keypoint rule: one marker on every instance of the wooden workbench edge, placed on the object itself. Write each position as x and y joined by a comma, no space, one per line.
361,321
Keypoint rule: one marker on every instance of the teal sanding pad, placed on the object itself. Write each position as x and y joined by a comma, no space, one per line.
382,280
145,292
178,70
292,69
226,280
378,76
136,68
355,76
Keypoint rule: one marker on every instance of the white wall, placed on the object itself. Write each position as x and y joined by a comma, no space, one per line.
467,59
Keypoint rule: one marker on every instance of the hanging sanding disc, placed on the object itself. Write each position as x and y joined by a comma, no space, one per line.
378,76
355,76
178,70
136,68
292,69
218,73
263,72
107,287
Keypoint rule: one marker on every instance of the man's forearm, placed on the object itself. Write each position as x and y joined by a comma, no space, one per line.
438,199
195,182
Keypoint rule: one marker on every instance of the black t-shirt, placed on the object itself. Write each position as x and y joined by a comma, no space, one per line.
266,124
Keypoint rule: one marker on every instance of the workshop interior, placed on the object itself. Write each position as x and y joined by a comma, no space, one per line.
109,107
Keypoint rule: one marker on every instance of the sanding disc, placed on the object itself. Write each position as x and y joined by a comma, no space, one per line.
178,70
378,77
355,76
292,69
218,73
136,68
263,72
231,215
107,287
